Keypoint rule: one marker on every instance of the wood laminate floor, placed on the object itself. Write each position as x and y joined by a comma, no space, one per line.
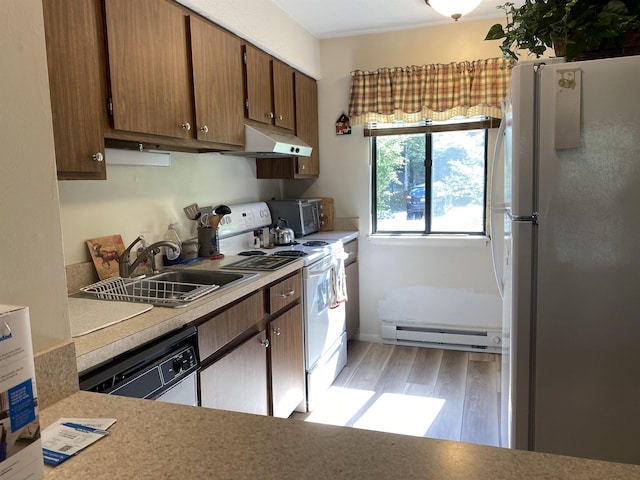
425,392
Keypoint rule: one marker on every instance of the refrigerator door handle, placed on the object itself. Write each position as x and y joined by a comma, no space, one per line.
495,207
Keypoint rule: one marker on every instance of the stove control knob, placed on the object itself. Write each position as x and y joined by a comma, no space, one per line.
177,366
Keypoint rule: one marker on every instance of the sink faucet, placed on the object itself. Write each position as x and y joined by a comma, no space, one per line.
150,252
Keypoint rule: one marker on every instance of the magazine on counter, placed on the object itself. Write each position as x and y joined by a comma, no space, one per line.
20,445
69,436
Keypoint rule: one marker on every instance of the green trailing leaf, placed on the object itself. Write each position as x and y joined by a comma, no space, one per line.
496,32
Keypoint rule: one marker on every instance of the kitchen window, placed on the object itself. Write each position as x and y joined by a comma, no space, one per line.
430,178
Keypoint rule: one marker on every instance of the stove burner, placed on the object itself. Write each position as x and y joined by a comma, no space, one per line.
290,253
251,253
315,243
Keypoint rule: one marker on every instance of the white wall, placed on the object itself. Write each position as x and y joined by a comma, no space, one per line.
31,264
137,199
401,272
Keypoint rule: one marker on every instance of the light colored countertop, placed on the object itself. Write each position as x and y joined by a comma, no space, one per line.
154,440
101,345
333,235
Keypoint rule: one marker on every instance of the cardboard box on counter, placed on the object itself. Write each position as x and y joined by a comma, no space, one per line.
20,446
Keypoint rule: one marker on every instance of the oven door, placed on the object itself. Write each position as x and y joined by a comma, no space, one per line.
323,324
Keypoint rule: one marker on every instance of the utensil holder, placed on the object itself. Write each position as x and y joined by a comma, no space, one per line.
209,242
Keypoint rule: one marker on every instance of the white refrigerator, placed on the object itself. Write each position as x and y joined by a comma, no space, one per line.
570,266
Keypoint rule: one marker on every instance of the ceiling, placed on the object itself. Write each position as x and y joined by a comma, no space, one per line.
339,18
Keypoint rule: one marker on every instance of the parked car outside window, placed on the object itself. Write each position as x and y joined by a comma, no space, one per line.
441,200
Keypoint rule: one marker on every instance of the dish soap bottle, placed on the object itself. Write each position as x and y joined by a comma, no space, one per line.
169,256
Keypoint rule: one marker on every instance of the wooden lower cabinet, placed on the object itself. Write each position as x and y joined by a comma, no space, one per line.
252,352
286,362
237,381
353,289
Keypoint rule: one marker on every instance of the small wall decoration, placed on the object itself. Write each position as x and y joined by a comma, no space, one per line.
343,125
105,253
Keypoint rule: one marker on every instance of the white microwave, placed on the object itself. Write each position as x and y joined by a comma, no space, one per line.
303,215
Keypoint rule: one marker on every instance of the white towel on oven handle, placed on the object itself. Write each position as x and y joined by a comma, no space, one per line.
339,281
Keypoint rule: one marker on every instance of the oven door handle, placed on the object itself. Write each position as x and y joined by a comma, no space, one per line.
320,271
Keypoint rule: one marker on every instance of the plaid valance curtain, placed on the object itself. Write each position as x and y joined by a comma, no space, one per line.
434,92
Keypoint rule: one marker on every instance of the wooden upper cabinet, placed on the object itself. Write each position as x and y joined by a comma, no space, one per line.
217,82
269,83
73,31
306,96
149,67
283,95
306,128
259,85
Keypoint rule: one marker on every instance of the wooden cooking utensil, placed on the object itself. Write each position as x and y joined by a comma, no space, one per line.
214,220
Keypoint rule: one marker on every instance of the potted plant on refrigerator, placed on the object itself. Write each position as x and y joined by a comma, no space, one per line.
576,29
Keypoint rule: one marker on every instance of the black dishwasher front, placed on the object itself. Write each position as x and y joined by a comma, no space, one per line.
163,369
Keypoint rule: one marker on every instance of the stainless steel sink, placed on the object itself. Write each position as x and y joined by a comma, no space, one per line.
201,277
175,288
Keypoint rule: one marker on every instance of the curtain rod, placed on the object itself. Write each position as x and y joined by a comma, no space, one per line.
490,122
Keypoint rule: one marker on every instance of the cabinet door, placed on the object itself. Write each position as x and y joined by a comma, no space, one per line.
283,100
217,83
353,304
259,85
149,67
238,381
75,56
287,362
306,95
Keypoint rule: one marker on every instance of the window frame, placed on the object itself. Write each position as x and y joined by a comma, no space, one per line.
428,129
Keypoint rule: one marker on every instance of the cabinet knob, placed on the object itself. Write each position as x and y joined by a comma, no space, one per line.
98,157
277,331
279,117
302,167
288,294
204,129
186,126
269,115
265,343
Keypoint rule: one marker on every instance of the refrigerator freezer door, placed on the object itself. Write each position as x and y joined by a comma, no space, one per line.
519,147
516,335
587,321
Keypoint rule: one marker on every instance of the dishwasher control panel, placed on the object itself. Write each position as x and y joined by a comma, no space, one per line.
149,370
180,364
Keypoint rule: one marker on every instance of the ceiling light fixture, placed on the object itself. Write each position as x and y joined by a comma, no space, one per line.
453,8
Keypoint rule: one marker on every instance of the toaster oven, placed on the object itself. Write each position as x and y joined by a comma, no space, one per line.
303,215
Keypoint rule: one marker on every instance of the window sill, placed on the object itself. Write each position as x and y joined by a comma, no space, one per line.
418,240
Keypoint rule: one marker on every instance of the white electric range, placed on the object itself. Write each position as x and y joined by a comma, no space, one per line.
325,342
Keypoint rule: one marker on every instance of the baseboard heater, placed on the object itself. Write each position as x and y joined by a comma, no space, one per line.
449,338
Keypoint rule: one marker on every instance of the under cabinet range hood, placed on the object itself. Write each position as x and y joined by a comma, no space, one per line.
262,142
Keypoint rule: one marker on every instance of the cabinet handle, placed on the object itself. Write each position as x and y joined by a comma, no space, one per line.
265,343
98,157
277,331
204,129
288,294
186,126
